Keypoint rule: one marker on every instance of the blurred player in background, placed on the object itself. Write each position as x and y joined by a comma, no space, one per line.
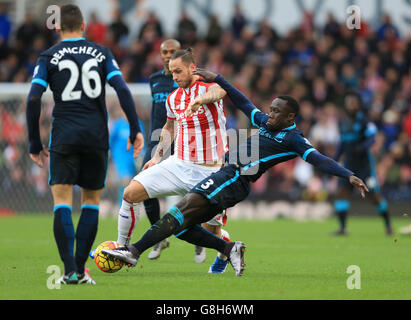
77,71
200,142
124,162
278,140
161,85
357,137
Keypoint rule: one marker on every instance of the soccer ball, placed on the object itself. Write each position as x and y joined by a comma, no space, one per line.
105,263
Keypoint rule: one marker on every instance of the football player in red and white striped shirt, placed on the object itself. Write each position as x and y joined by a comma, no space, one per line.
200,141
202,137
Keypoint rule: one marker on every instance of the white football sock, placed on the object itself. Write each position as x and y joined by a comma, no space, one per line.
128,216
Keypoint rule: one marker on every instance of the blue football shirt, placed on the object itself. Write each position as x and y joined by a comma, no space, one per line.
76,71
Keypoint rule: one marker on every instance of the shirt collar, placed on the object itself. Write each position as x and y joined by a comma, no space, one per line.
187,90
74,39
289,128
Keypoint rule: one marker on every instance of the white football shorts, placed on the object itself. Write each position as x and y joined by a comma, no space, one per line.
176,177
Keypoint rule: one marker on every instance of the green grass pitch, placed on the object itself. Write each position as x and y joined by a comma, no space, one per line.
285,260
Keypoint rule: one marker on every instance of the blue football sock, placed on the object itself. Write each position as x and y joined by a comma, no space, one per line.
163,228
382,208
201,237
86,233
64,235
341,208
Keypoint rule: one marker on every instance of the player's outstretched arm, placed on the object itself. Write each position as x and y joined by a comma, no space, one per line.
359,184
127,104
214,94
33,110
330,166
236,96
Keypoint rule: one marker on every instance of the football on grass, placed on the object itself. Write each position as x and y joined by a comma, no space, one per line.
105,263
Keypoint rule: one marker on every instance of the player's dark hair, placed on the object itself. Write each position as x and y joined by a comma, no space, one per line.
186,56
291,103
71,18
355,95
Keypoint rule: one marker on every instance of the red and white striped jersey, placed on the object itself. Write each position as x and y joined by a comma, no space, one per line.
201,138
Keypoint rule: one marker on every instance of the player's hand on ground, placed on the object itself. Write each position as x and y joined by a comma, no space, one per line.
137,145
38,158
208,76
193,106
359,184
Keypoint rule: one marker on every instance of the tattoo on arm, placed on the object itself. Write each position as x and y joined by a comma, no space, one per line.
214,93
166,138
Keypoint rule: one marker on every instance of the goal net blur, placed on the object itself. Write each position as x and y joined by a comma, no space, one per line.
23,185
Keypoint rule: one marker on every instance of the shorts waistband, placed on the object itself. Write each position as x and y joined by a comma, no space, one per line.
209,165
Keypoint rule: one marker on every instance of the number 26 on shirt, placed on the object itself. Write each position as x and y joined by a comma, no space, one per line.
87,75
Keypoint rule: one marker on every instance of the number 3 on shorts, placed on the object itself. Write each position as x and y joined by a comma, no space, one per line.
207,184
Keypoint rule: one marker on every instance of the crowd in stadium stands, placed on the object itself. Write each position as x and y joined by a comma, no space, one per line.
316,65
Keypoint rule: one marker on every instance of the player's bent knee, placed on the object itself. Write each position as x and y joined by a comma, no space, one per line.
194,208
192,200
135,192
212,228
183,216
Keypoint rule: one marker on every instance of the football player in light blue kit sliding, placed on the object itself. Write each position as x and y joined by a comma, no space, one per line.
279,140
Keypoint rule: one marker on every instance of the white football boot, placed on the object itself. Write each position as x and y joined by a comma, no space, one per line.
85,277
124,254
155,253
200,254
237,258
